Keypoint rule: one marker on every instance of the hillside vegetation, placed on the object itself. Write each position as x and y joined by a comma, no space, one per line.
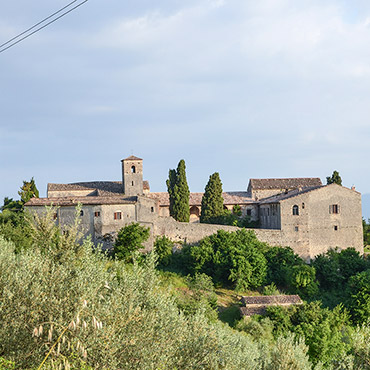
64,305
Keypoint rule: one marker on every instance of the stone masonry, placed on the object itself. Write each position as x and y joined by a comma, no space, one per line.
300,212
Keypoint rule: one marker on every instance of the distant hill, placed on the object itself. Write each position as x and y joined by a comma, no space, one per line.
366,206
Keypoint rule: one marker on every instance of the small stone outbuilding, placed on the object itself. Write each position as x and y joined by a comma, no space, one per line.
256,305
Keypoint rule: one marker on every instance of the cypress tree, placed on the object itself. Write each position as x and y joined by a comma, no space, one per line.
171,182
179,193
212,200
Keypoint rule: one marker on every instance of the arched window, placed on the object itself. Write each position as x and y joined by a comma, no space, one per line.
295,210
133,169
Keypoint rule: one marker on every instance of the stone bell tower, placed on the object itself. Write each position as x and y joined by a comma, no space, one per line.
132,176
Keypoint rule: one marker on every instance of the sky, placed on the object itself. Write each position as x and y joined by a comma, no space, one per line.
250,89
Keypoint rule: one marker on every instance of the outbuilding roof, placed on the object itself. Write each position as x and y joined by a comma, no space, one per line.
256,305
271,300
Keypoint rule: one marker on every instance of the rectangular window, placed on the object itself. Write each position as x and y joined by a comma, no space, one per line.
117,215
249,212
296,228
335,228
334,209
97,214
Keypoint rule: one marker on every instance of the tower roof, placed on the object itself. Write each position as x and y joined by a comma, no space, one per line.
131,158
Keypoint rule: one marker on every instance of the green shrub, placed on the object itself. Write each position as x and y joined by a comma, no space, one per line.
129,240
163,249
230,257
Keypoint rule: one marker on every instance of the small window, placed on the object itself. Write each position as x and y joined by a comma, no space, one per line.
81,213
152,209
302,205
97,214
295,210
55,216
296,228
334,209
133,169
132,183
335,227
249,212
117,215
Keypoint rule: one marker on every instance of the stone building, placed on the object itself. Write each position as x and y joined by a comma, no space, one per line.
300,212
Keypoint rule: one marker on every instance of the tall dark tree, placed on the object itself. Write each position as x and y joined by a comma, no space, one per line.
179,193
212,200
28,191
334,178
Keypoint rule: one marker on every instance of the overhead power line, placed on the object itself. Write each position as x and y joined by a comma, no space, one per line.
39,23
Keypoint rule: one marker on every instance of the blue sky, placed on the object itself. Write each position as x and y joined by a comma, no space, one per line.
251,89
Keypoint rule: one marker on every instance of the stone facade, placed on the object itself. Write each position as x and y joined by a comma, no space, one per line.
300,213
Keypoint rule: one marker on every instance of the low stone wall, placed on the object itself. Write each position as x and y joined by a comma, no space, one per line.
186,232
190,233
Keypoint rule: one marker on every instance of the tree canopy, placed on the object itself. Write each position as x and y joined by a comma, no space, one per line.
179,193
130,239
212,200
334,179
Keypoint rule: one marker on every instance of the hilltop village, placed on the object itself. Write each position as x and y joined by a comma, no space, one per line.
301,213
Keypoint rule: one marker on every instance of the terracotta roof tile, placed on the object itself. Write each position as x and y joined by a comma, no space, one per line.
195,199
290,194
103,188
287,183
131,158
267,300
73,201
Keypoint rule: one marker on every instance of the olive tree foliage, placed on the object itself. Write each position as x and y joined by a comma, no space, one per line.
212,200
334,178
74,308
179,193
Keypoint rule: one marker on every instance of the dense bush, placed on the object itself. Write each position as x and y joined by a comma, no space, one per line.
163,248
358,297
334,268
325,331
230,257
280,261
129,240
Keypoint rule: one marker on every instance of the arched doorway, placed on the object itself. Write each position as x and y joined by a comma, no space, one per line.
194,214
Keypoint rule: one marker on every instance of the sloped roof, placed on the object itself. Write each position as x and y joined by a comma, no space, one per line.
290,194
73,201
257,305
103,188
267,300
287,183
195,199
131,158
